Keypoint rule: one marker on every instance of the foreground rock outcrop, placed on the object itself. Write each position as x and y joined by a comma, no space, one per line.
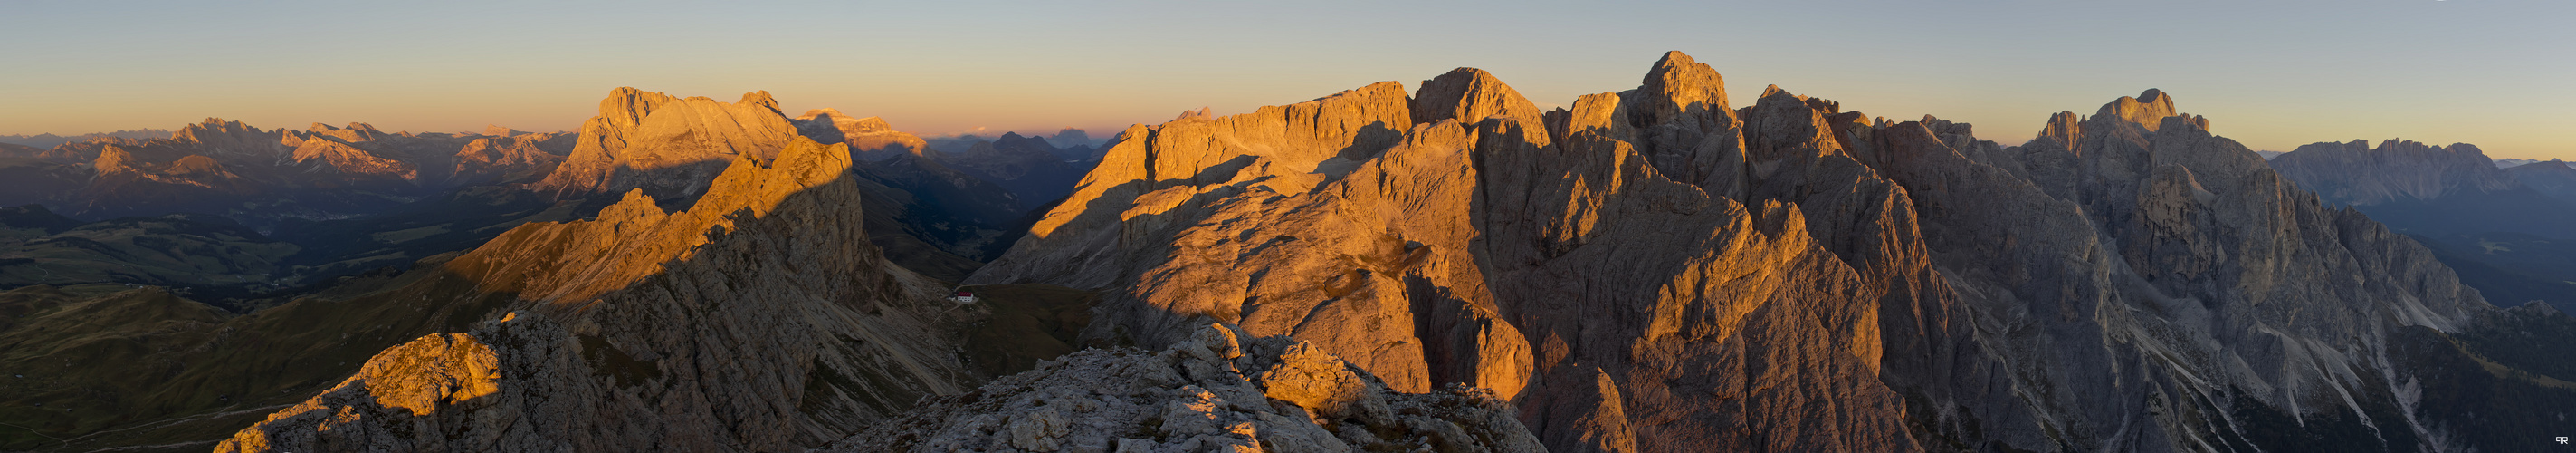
1215,392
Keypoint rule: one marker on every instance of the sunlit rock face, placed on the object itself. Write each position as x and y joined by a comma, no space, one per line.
1569,275
870,138
759,319
925,214
666,145
1657,270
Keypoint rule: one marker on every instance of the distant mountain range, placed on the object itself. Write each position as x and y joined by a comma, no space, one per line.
2508,231
50,140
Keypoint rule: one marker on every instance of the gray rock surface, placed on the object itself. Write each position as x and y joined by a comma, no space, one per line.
1216,392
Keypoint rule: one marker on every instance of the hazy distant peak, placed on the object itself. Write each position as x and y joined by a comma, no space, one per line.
353,132
1073,136
820,113
216,125
847,123
872,124
2357,173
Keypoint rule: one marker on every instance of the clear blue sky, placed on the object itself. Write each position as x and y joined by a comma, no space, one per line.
2273,74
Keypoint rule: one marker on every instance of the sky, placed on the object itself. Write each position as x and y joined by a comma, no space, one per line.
2271,74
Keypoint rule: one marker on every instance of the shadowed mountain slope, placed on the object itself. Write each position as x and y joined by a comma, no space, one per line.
2555,178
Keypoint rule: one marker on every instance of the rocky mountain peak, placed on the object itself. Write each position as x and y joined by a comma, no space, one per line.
846,123
2355,172
1070,136
113,159
1015,140
870,138
1783,125
1470,95
760,99
2147,109
231,138
213,125
1679,85
2554,177
2062,129
665,145
872,124
352,133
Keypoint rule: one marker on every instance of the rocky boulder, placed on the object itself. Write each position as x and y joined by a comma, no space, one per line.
1217,392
